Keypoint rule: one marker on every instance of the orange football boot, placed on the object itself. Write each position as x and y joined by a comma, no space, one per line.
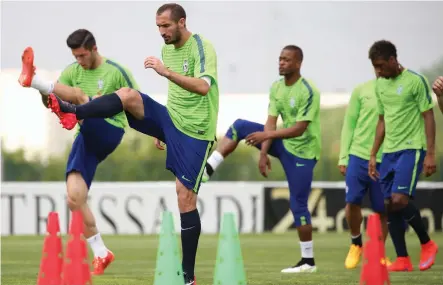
100,264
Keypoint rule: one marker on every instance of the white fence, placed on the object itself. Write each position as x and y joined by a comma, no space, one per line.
135,208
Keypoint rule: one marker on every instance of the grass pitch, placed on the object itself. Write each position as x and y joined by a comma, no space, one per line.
264,256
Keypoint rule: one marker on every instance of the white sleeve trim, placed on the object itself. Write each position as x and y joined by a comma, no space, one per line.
207,79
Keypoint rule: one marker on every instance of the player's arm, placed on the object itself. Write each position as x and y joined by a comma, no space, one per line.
440,103
425,104
271,122
380,129
64,88
379,135
438,90
349,124
308,107
205,71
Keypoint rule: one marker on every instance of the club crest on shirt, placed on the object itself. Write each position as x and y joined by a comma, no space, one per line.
399,89
185,65
292,102
100,84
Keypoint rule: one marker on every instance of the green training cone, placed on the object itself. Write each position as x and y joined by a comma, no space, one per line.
229,269
169,269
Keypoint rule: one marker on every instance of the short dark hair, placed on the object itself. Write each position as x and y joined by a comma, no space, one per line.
384,49
177,11
81,38
297,50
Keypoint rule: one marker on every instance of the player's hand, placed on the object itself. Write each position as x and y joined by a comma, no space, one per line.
372,168
264,165
256,138
342,169
157,65
429,166
159,144
437,87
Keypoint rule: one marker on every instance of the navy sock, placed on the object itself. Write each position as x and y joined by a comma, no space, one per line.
412,215
397,232
104,106
190,233
357,240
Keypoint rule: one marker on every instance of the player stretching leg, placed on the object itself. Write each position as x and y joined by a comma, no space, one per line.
187,124
357,135
297,146
90,76
437,87
406,126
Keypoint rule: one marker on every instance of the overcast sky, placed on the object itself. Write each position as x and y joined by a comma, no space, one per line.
335,37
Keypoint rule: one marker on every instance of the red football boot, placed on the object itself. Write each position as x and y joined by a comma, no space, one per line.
67,120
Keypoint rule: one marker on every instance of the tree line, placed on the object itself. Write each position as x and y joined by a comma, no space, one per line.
137,159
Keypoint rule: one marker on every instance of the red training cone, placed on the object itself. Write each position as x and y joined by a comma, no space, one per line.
76,269
52,256
374,270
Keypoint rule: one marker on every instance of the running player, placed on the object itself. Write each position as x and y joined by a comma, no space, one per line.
437,87
297,145
90,76
357,135
187,124
406,125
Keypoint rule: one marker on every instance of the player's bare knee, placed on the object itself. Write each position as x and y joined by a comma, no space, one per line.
399,201
125,95
77,191
187,199
132,101
74,200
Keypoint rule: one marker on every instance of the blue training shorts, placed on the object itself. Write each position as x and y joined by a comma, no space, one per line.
358,183
399,172
299,171
95,141
185,156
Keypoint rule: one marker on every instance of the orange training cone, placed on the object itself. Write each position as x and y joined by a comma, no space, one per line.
374,271
76,270
52,256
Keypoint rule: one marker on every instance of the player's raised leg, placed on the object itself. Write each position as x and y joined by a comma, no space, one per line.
300,173
106,106
239,130
28,78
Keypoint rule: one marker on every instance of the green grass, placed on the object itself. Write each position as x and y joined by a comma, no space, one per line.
264,256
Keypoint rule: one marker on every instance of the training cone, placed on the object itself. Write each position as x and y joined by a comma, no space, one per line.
374,270
169,268
229,269
76,268
52,256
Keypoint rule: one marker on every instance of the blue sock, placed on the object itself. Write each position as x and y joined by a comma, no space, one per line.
397,232
190,233
412,215
104,106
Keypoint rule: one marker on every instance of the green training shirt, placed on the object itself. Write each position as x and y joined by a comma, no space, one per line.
105,79
296,103
402,100
193,114
360,124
